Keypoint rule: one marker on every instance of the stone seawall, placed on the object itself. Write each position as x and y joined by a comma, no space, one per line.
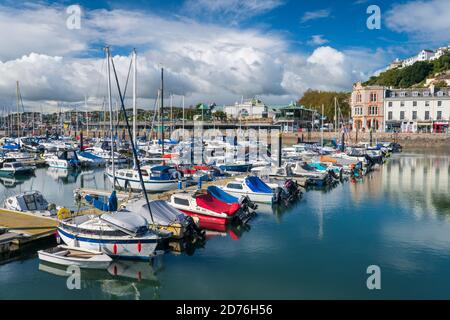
407,140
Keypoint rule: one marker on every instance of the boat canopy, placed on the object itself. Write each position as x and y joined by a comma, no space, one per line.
218,193
208,202
126,222
257,185
110,206
162,212
89,155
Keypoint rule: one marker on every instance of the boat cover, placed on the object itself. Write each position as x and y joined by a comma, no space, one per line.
257,185
218,193
110,206
208,202
126,221
162,212
89,155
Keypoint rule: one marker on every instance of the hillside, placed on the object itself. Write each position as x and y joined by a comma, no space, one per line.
314,99
412,75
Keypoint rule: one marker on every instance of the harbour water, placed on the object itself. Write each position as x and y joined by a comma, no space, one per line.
397,217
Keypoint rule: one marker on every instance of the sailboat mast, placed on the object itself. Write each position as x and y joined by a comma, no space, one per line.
108,66
134,100
18,117
162,111
183,115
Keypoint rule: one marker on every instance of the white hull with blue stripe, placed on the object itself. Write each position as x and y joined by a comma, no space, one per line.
115,240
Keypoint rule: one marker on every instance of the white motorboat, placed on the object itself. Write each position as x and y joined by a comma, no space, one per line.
11,167
62,159
253,187
119,234
32,202
68,256
91,160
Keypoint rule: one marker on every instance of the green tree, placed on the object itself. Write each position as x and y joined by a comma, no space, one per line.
314,99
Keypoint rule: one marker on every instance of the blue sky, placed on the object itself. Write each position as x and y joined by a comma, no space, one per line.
213,50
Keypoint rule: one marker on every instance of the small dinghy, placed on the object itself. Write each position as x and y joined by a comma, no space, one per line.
83,258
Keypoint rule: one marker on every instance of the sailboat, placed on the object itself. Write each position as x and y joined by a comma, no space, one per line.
156,178
118,234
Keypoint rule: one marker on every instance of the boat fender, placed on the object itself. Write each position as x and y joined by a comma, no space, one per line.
63,213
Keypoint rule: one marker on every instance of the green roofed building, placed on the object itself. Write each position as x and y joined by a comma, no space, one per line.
295,117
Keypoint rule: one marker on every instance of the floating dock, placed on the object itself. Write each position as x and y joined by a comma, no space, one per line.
26,228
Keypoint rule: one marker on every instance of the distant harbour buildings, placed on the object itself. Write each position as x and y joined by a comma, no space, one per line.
385,109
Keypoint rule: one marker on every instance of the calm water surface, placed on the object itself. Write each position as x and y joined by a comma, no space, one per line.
398,218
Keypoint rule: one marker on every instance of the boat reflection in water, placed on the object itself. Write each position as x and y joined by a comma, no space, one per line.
63,175
123,279
13,181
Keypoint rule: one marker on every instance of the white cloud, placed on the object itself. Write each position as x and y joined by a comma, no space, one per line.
204,61
313,15
425,20
233,10
317,40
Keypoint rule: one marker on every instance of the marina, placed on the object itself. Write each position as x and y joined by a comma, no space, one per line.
224,155
350,224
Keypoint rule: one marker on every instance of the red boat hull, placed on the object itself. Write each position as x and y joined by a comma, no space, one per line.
209,222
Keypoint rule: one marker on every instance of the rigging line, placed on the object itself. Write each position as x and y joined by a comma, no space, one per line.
131,140
125,91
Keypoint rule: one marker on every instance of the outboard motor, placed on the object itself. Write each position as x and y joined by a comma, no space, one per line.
279,194
245,203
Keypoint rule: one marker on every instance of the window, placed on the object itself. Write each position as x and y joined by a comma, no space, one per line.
402,103
373,97
234,186
402,94
415,94
390,104
402,115
414,115
427,115
439,115
414,103
427,103
439,103
390,115
440,93
180,201
392,94
426,93
358,97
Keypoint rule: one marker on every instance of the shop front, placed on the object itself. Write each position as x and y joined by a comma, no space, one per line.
424,126
393,126
440,126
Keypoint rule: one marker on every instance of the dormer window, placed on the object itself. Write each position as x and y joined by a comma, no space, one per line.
426,93
402,94
392,94
440,93
415,94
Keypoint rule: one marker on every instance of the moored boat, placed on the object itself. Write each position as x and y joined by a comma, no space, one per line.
68,256
253,187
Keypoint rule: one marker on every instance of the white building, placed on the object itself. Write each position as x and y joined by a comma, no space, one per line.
424,55
417,109
247,109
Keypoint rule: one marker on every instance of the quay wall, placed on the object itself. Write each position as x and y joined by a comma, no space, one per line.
407,140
